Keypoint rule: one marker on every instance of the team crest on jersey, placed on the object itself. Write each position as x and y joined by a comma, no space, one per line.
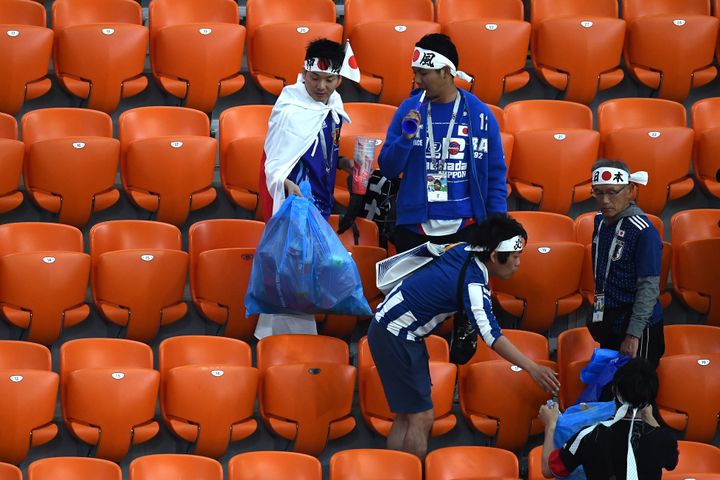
617,253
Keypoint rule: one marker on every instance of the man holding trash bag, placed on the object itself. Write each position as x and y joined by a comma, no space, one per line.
423,300
626,258
446,145
302,145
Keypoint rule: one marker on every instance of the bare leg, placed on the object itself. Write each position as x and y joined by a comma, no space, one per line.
399,428
418,433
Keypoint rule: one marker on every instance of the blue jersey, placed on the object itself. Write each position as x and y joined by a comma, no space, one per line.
318,166
637,253
427,297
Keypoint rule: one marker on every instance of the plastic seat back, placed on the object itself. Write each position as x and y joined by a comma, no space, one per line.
575,347
108,393
10,472
695,277
367,464
196,49
690,385
528,295
389,75
450,11
180,466
27,406
221,256
71,162
242,141
696,457
690,34
546,226
11,161
690,339
23,237
208,391
100,50
546,114
167,160
274,464
508,413
707,139
73,468
25,49
139,273
358,12
465,461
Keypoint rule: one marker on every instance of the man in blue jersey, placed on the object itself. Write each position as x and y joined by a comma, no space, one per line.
421,302
302,145
453,167
626,256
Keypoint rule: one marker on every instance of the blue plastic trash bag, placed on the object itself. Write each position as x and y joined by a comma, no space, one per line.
300,265
599,372
575,419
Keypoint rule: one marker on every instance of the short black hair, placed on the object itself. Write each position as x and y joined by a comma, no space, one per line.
636,383
325,49
440,43
494,230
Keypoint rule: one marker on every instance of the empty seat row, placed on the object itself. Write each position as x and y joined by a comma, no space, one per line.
550,146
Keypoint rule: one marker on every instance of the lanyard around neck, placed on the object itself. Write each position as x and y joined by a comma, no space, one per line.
613,244
323,144
431,136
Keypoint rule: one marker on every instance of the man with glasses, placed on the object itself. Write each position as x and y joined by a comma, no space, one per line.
626,258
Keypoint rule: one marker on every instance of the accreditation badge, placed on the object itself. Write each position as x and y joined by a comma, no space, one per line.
437,187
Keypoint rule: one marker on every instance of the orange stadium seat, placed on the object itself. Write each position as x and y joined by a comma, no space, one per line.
546,226
196,49
287,26
450,11
576,46
689,339
449,463
221,256
528,295
306,389
11,162
389,75
535,464
242,140
367,232
575,346
73,468
706,164
374,406
208,391
27,406
138,275
167,160
370,464
696,460
696,235
688,35
553,151
274,464
533,345
71,162
649,134
10,472
506,415
174,465
689,394
584,225
43,278
368,120
358,12
507,139
25,49
108,393
100,50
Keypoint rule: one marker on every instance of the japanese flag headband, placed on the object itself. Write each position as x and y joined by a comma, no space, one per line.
617,176
435,61
349,68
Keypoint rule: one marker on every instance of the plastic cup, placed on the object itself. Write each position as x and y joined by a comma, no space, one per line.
363,165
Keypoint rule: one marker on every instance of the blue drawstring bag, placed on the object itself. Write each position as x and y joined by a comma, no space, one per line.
575,419
300,265
599,372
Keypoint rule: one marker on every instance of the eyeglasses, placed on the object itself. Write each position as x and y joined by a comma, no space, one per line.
611,194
